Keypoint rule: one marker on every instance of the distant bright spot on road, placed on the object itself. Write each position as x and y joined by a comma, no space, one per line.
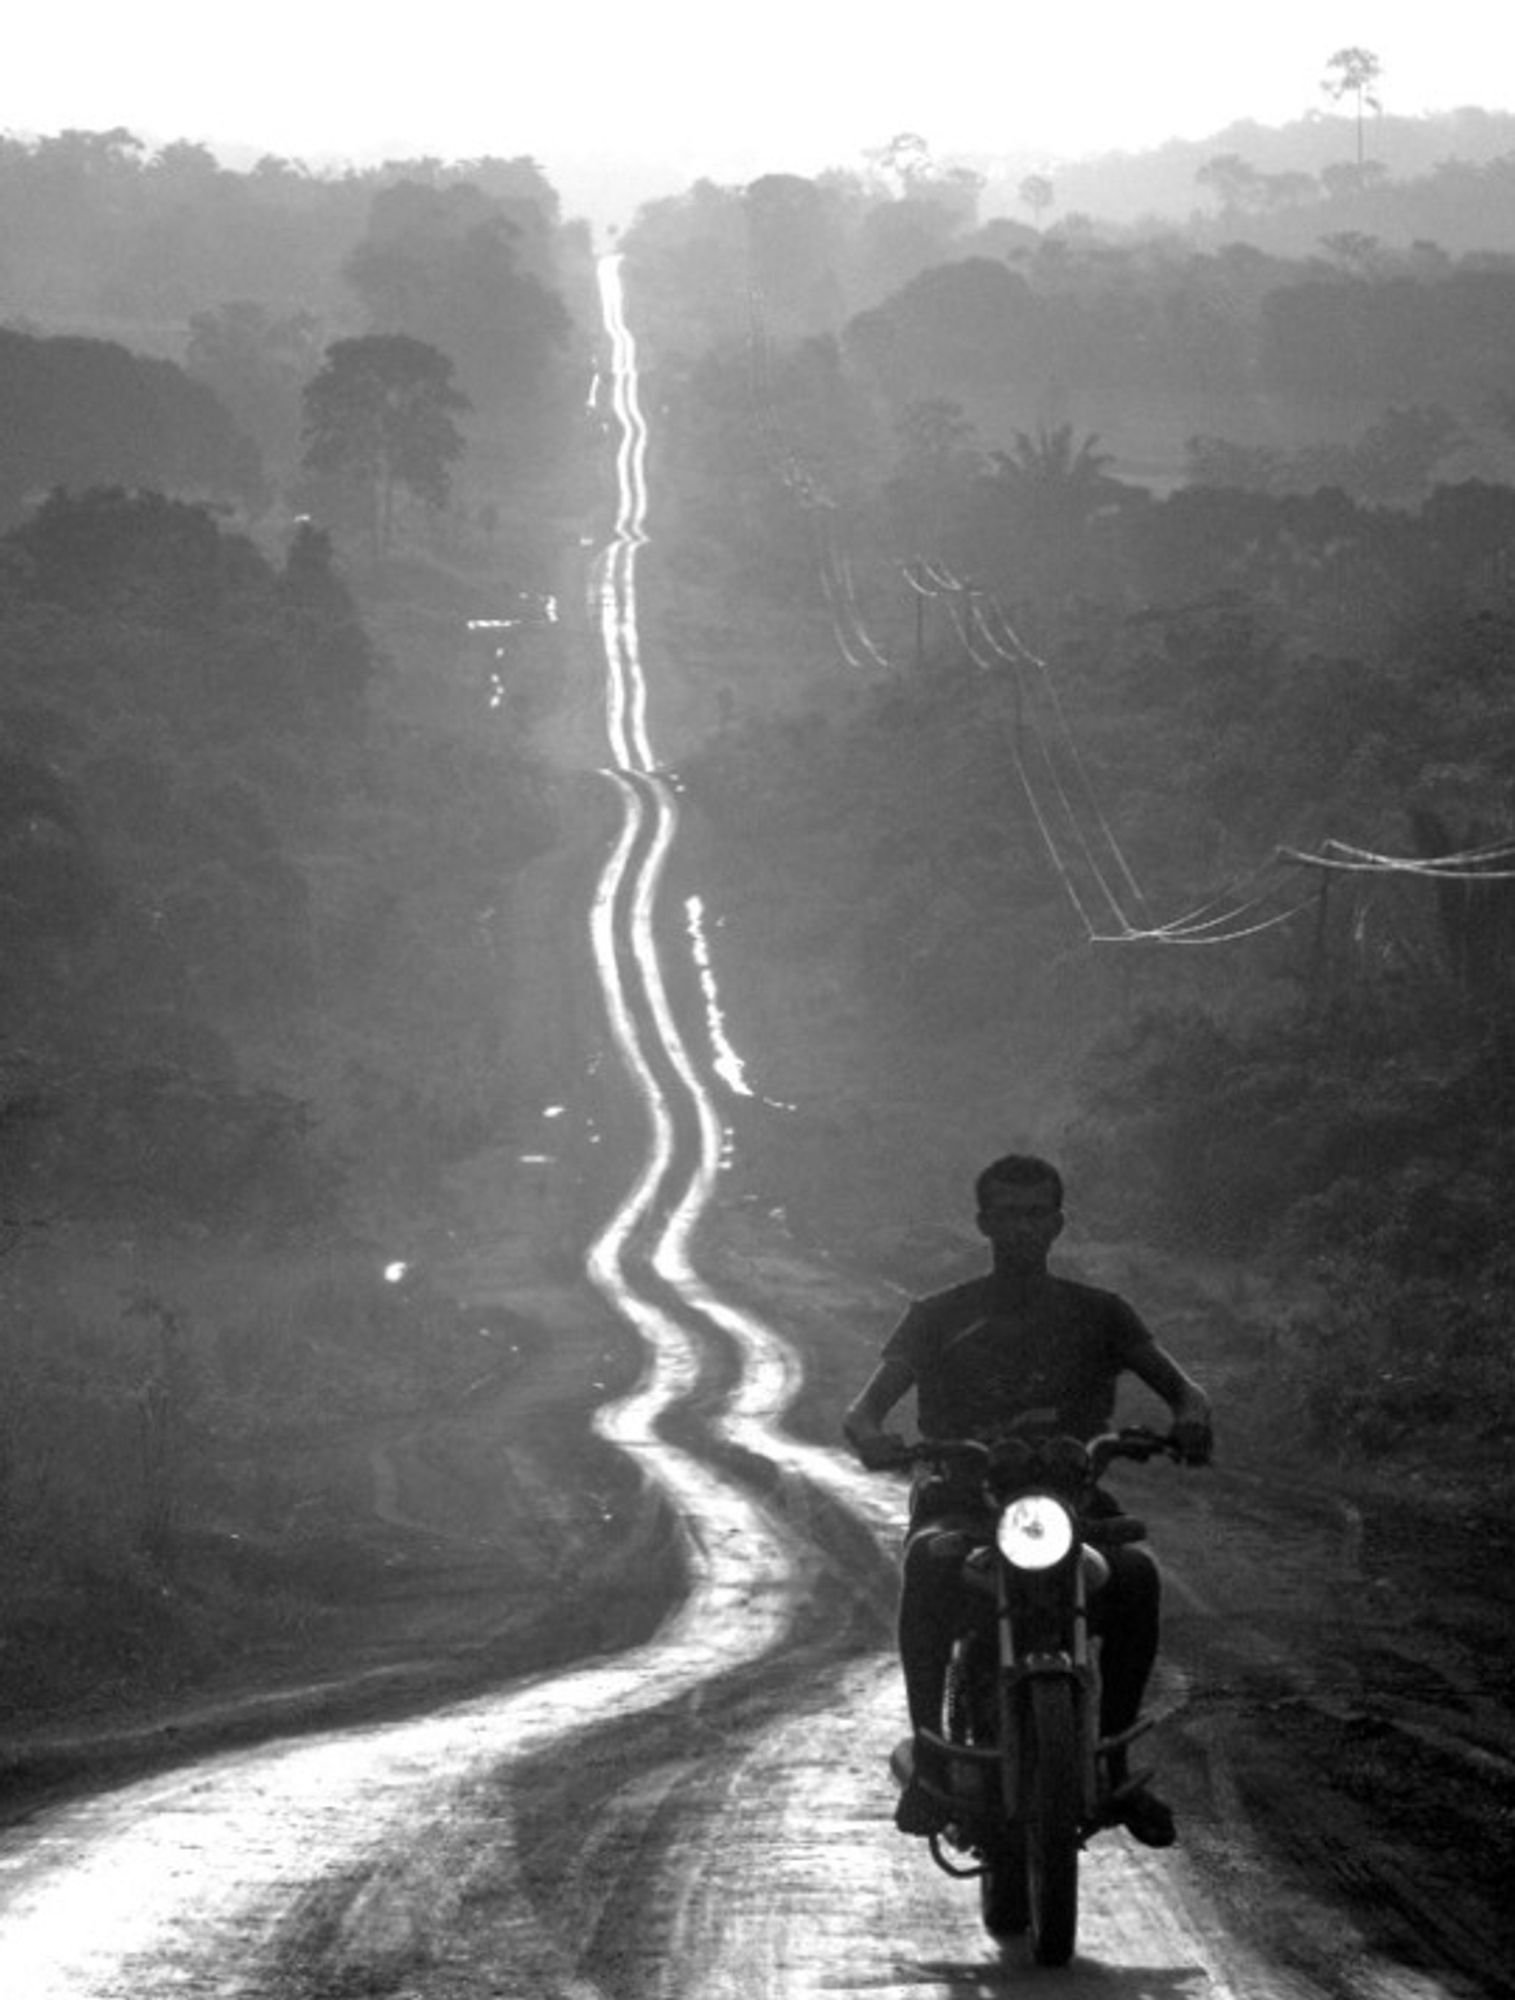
728,1064
393,1273
537,1160
554,1110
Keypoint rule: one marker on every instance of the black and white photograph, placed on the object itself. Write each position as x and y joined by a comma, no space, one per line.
757,1002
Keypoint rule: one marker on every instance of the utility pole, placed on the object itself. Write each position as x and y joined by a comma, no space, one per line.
1318,965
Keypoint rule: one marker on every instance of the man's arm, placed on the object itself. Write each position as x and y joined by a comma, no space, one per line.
1192,1423
863,1422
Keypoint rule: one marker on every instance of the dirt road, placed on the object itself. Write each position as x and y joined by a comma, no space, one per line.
698,1805
707,1813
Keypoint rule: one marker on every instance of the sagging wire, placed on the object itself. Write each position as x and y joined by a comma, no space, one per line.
1049,683
849,591
1472,864
1347,860
929,580
1043,826
1189,929
1199,926
835,608
1192,928
841,597
940,582
1212,922
1164,935
853,640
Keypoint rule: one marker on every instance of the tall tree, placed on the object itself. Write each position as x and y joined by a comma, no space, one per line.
379,415
1038,193
1352,73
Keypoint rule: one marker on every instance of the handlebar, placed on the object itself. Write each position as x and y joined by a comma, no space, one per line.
1133,1442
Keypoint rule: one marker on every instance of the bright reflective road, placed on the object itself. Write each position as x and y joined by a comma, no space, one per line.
702,1817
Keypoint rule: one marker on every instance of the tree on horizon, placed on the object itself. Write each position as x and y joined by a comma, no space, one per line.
1358,70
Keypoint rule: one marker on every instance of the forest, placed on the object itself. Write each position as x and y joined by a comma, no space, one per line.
1109,624
1154,802
273,442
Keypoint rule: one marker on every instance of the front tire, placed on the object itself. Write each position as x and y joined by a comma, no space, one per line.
970,1718
1052,1820
1003,1901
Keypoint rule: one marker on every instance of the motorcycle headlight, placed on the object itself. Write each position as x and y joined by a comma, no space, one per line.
1035,1532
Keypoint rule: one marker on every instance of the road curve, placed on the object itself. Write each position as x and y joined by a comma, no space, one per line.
703,1817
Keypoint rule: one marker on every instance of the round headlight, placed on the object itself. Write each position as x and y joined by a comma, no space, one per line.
1034,1532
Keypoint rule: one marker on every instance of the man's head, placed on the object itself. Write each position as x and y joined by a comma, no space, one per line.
1020,1209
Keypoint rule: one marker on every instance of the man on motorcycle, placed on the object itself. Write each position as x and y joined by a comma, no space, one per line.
1015,1345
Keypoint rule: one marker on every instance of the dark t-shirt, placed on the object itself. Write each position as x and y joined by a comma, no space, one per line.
981,1358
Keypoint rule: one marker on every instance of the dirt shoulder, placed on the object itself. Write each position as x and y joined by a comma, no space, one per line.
473,1543
1340,1741
1341,1726
1347,1712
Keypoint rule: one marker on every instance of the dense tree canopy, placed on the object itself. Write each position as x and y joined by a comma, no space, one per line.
444,266
253,971
256,363
1230,536
87,412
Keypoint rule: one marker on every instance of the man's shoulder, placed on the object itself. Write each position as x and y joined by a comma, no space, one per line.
1095,1304
954,1305
1077,1292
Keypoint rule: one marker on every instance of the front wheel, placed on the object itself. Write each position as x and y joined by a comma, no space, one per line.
1003,1902
971,1717
1051,1798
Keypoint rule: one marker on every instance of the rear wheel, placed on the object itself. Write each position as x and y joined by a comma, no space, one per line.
1052,1820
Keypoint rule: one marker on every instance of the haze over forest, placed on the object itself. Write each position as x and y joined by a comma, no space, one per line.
1164,501
617,110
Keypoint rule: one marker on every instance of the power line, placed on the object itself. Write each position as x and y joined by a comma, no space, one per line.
980,622
1049,682
1435,868
1198,927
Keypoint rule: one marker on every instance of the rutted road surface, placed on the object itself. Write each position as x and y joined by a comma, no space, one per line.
703,1816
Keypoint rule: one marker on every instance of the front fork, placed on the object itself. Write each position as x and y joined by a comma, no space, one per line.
1043,1633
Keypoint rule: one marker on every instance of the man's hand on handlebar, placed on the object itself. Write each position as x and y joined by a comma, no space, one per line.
1194,1439
882,1451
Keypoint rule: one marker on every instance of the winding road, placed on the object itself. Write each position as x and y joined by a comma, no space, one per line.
702,1817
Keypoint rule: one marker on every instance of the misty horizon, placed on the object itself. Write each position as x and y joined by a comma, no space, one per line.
606,190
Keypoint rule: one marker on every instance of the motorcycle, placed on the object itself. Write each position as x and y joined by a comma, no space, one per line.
1020,1768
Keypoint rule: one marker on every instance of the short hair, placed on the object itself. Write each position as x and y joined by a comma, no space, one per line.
1018,1170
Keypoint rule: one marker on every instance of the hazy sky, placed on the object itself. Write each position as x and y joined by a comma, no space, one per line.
689,87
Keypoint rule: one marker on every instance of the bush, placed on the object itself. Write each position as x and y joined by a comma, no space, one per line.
1367,1151
1384,1361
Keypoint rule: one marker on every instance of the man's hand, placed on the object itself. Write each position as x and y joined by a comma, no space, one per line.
1194,1438
881,1451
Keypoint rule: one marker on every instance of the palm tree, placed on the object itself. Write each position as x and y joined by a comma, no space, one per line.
1065,478
1040,501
